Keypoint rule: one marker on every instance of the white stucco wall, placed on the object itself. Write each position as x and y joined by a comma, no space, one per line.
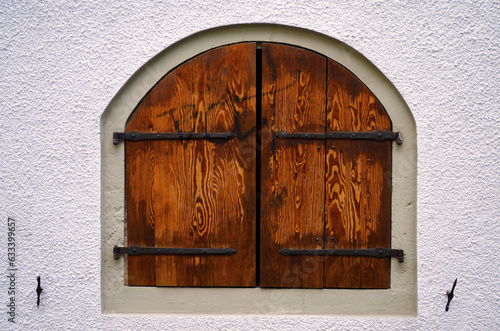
61,63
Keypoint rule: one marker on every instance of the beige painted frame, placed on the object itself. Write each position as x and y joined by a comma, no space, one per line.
400,299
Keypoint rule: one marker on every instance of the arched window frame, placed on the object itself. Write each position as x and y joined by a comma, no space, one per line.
399,299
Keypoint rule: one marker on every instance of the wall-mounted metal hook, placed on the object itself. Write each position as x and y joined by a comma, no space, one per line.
38,292
450,295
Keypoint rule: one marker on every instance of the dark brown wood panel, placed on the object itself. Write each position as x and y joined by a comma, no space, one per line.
294,100
358,184
196,193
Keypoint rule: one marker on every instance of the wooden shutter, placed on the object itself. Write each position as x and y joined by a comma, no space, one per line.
321,193
195,193
315,193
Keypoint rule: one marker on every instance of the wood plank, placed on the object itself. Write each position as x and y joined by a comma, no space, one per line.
203,192
140,170
358,183
293,99
232,181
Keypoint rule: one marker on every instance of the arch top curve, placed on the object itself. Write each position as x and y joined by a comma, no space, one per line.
145,78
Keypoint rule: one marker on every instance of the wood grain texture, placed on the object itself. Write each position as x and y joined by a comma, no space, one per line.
358,184
315,194
351,105
293,99
196,193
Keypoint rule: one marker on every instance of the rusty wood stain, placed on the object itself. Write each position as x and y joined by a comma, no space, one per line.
191,107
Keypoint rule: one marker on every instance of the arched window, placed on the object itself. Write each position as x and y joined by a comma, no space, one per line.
261,164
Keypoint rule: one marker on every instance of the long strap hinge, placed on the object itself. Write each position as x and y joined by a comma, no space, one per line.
137,136
371,135
378,252
135,250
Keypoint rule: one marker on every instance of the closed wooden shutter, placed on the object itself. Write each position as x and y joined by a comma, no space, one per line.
195,193
321,193
315,193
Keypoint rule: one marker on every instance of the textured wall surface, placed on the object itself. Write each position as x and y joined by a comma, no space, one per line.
62,62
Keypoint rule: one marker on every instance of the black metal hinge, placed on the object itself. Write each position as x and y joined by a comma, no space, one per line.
140,250
372,135
378,252
136,136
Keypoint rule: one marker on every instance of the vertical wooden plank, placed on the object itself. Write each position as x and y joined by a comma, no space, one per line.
202,193
140,170
358,183
232,178
293,100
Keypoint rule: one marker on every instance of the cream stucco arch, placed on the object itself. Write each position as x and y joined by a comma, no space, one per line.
400,299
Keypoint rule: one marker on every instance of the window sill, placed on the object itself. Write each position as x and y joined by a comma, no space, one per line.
259,301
